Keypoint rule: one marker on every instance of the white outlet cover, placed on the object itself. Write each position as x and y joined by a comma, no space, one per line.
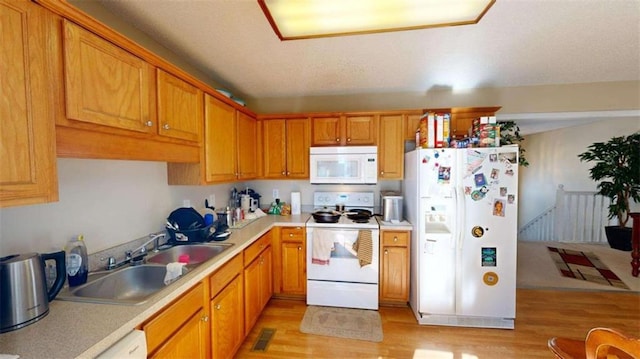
186,203
212,200
276,193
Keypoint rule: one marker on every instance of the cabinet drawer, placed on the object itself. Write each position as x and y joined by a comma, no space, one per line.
225,275
170,319
292,234
395,238
258,246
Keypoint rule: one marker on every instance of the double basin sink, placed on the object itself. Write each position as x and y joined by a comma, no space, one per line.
136,284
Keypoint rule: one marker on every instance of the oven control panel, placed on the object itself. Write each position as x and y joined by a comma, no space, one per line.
348,199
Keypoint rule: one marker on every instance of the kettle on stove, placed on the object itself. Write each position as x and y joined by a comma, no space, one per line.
23,288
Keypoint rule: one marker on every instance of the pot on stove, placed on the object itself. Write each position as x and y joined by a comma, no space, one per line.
326,216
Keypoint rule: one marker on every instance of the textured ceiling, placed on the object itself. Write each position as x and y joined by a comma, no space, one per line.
517,43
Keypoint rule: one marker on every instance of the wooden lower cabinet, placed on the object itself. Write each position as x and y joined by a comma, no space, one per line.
188,342
227,309
394,267
293,261
258,279
181,328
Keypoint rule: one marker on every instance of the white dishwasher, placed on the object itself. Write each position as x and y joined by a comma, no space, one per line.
132,346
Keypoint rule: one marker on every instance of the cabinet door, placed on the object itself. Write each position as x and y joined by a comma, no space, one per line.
227,326
106,85
326,131
28,106
220,156
258,287
394,274
247,146
411,123
189,341
359,130
391,147
180,108
298,143
294,278
275,148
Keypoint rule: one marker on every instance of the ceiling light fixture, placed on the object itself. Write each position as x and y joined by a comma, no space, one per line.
304,19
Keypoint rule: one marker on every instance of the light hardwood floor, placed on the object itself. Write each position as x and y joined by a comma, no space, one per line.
540,314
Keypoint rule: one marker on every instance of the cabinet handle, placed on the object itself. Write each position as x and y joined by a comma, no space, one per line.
166,126
283,173
288,173
386,251
290,234
218,306
395,239
205,318
149,123
349,139
299,248
381,172
337,139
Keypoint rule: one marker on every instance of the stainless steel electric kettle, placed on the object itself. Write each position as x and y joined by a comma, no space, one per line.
23,288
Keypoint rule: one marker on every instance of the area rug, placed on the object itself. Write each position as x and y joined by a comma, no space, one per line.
584,266
349,323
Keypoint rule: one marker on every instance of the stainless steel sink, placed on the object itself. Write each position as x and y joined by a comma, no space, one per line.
197,253
129,285
136,284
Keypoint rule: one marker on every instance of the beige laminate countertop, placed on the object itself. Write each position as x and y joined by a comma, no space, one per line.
84,330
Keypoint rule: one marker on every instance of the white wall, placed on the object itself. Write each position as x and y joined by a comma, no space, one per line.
553,158
113,202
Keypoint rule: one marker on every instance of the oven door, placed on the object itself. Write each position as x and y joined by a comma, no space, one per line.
343,264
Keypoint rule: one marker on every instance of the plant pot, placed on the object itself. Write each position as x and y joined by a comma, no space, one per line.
619,237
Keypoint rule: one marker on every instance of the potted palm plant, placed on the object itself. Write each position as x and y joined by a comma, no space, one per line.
617,171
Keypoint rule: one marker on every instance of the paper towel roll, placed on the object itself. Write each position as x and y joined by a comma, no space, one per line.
295,203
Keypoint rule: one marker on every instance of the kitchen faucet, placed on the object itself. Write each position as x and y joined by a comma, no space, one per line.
142,250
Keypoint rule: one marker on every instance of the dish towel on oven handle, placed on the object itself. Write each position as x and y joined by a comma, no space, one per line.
322,246
364,247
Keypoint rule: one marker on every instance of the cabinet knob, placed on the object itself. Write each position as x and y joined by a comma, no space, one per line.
395,239
349,139
386,251
290,234
149,123
283,173
337,140
166,126
299,248
381,172
218,306
288,173
205,318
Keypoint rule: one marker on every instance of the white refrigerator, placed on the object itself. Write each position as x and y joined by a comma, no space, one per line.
463,204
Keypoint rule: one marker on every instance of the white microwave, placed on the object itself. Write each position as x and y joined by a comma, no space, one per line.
344,165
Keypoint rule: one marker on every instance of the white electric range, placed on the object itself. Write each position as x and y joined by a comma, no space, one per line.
340,274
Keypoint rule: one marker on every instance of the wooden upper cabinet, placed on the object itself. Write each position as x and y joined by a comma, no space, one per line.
286,145
411,123
28,109
180,108
359,130
344,130
106,85
221,156
326,131
247,145
391,147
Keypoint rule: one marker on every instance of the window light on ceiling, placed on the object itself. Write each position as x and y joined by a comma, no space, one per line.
304,19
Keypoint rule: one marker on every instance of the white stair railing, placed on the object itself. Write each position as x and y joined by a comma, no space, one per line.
578,216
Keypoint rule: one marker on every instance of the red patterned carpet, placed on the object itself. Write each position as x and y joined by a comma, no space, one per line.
584,266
